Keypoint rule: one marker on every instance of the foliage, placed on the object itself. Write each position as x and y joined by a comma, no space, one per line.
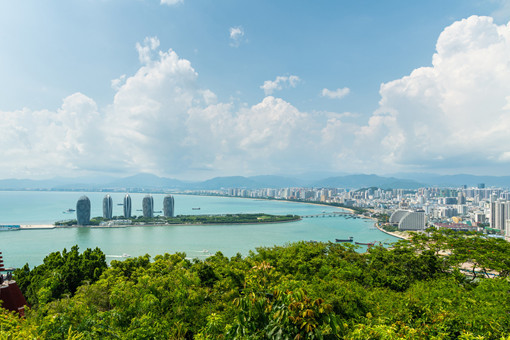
299,291
60,274
389,227
194,219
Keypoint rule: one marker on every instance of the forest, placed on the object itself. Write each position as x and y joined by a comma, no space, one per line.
437,285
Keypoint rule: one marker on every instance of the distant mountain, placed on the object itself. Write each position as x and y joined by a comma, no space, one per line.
314,176
364,181
145,181
456,180
269,181
225,183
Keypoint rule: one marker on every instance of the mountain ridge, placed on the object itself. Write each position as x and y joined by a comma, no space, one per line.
147,181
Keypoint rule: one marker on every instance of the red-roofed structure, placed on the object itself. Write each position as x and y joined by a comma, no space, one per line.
10,294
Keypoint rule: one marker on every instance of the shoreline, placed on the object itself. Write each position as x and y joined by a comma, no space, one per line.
46,226
170,225
400,235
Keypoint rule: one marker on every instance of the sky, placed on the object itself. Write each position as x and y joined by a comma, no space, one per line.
193,89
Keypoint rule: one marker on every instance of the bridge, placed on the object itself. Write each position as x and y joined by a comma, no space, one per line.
330,214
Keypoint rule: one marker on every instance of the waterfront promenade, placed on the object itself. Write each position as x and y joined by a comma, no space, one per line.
36,226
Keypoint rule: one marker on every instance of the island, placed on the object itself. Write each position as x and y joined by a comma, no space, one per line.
256,218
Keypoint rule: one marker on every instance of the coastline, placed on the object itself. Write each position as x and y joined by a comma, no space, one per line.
401,235
169,225
47,226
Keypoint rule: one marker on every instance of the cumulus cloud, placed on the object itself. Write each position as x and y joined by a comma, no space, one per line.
453,114
48,142
118,82
236,36
335,94
279,83
161,121
150,44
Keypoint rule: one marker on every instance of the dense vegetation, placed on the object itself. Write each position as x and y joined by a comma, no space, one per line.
195,219
415,290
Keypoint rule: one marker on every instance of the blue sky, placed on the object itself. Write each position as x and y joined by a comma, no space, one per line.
323,106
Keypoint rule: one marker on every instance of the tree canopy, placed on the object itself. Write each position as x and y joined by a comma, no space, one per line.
414,290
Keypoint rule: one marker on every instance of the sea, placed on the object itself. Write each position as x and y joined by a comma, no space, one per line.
197,241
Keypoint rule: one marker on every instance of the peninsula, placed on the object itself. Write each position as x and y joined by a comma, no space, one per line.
256,218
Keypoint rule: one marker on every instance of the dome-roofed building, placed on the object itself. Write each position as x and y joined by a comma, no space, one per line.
148,206
168,206
127,206
108,207
83,210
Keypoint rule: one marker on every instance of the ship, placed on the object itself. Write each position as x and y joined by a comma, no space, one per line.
365,244
198,208
4,227
350,239
68,211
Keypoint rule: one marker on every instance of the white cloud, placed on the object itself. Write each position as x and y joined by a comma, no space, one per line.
49,143
118,82
171,2
335,94
150,44
236,36
279,83
161,121
453,114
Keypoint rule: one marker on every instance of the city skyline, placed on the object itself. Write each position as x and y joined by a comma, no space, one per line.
186,89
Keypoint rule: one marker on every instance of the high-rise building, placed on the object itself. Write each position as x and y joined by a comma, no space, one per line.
127,206
83,210
500,212
168,206
148,206
408,220
461,199
108,207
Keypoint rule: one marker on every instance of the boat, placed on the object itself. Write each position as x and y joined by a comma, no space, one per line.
9,227
365,244
195,208
68,211
120,203
350,239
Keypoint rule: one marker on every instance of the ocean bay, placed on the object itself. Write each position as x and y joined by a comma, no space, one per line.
40,207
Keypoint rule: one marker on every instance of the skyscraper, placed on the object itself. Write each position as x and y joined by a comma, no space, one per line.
168,206
107,207
148,206
83,210
127,206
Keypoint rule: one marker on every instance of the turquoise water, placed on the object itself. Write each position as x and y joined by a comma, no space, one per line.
31,246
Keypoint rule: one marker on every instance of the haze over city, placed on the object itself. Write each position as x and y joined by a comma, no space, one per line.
197,89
